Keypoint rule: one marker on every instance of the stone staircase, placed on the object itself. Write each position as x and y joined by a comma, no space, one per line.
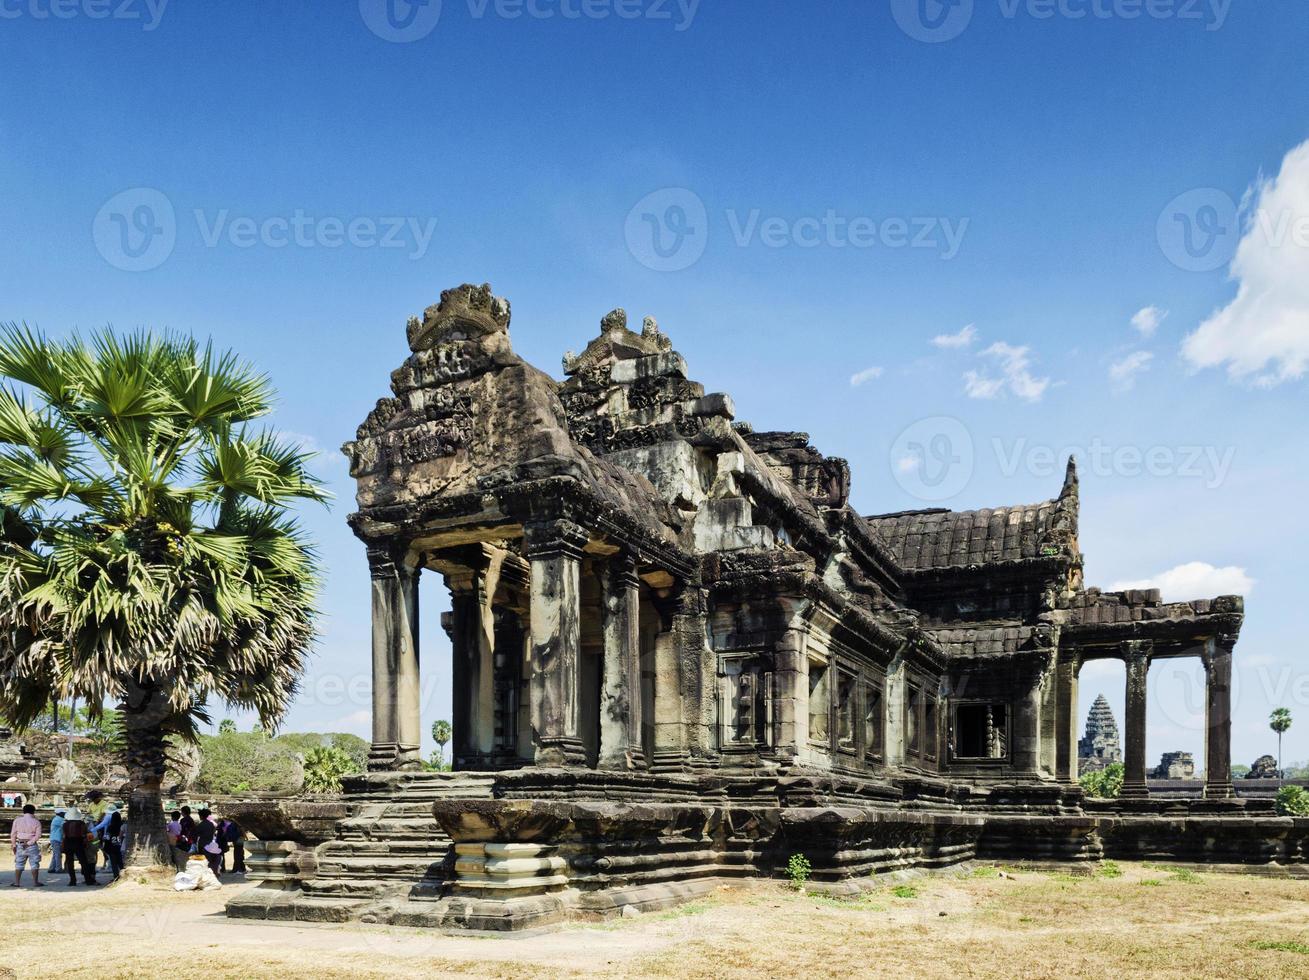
389,851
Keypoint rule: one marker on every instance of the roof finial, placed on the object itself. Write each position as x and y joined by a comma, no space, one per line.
1070,478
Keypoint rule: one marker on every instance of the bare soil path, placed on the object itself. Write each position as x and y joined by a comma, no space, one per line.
1149,922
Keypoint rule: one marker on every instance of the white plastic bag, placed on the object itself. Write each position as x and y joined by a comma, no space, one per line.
206,880
183,882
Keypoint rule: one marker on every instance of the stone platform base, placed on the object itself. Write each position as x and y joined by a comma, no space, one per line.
487,853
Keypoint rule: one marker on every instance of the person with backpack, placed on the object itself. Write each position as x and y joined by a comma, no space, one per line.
234,837
77,847
111,840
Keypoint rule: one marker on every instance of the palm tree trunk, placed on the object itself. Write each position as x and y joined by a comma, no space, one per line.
145,710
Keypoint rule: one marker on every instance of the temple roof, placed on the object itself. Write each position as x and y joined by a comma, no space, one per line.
939,538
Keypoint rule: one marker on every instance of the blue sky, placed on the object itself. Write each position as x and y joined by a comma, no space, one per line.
789,155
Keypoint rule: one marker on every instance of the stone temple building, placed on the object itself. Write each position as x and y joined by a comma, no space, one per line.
681,655
1099,746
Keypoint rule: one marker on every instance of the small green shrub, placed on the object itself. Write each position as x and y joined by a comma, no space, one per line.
1105,784
904,891
1109,869
797,869
1293,801
1187,876
1150,882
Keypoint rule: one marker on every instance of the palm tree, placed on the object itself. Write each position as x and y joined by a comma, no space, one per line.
147,558
440,735
1279,721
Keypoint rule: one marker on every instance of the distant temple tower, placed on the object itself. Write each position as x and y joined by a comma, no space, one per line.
1100,745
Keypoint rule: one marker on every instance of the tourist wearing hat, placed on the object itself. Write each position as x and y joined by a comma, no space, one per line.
57,842
25,836
77,847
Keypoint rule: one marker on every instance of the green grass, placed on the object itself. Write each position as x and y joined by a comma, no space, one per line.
1108,869
1150,882
1187,876
1282,946
857,903
904,891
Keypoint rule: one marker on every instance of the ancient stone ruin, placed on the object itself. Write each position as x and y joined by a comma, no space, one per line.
1099,746
680,657
1174,765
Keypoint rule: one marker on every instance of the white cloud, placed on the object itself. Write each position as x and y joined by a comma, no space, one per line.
1147,320
867,374
1123,373
956,341
907,463
1194,580
1263,334
1015,375
353,722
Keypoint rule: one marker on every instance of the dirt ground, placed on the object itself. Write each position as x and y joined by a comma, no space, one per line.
1150,921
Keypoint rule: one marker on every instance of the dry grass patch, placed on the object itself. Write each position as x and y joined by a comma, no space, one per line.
987,924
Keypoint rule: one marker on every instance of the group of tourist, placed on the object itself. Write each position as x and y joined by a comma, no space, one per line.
208,836
78,840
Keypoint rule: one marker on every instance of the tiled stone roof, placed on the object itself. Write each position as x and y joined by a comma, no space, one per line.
945,538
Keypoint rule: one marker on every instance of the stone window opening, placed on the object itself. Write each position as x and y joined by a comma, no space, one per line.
981,731
873,721
746,698
820,704
846,733
912,729
930,727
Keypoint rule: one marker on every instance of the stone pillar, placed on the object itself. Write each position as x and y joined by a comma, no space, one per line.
1066,672
896,693
1218,718
1026,748
1137,655
620,708
472,638
554,552
397,723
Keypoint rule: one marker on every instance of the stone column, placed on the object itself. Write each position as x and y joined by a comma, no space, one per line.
1136,653
472,638
895,695
1066,672
620,708
1218,718
397,723
554,552
1026,732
